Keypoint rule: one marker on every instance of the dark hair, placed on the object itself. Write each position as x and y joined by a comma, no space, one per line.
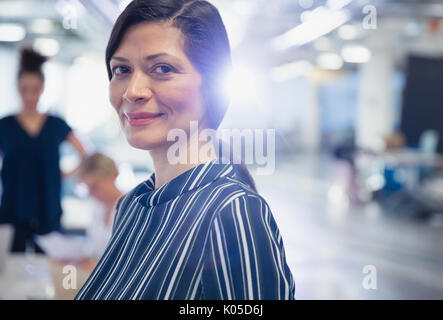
31,62
206,46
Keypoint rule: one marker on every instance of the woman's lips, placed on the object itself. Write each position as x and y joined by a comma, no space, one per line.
137,119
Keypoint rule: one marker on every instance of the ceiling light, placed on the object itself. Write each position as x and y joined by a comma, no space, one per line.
356,54
12,32
46,46
320,23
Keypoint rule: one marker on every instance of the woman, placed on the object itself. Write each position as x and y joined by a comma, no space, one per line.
192,231
99,172
29,143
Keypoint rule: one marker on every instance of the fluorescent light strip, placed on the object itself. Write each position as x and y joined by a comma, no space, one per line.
314,28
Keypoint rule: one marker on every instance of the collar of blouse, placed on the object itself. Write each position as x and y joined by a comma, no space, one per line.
196,177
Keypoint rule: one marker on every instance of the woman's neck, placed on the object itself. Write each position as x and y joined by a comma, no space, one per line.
31,112
165,171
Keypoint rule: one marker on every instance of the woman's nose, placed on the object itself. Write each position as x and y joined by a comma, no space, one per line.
138,88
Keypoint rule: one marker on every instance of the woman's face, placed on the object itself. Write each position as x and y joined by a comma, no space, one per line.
30,88
154,87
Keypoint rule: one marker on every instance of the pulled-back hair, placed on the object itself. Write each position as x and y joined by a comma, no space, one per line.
31,62
206,46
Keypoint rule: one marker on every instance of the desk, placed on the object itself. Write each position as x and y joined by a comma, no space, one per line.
402,157
34,276
26,276
407,162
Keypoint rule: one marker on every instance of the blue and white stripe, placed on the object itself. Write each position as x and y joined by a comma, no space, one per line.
203,235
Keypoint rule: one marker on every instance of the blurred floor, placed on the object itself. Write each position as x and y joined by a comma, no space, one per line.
328,247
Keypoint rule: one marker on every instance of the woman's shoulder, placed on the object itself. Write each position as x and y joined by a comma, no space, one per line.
54,117
6,122
232,190
6,118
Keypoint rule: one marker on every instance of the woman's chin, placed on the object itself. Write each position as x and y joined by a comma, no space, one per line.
143,143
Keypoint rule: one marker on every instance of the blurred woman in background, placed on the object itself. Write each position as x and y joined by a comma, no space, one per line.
29,146
99,172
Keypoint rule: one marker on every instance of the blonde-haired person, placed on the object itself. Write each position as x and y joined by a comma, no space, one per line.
98,172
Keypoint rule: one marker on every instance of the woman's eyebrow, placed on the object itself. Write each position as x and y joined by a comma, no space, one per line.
149,58
120,59
157,55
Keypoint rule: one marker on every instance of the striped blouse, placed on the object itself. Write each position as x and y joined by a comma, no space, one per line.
203,235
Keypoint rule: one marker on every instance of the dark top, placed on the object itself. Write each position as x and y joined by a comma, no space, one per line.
30,173
203,235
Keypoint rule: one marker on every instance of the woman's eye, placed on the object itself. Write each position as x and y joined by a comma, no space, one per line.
119,70
163,69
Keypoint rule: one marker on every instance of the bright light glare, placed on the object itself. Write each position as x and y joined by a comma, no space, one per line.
12,32
291,70
46,46
243,85
329,61
356,54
